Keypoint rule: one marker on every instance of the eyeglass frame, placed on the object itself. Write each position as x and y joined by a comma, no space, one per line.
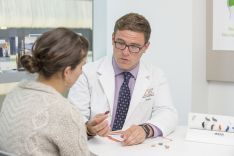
126,45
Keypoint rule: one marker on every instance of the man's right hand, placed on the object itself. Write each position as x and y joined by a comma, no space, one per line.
98,125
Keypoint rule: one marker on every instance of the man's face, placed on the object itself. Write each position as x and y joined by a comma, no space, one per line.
129,57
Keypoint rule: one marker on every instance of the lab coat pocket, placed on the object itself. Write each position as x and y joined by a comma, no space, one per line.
144,110
146,105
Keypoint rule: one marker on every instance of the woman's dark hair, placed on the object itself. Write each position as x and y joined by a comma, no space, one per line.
134,22
54,51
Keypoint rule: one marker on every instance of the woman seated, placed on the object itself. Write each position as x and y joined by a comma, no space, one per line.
35,118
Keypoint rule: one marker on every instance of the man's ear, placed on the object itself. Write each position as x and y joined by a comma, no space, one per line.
146,46
113,38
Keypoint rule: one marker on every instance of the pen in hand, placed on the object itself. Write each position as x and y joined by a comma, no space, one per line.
107,112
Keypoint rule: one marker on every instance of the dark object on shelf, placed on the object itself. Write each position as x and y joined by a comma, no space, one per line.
1,52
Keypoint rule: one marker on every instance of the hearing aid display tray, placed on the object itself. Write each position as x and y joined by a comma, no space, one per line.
208,128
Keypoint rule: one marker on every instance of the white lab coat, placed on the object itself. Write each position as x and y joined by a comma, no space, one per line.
151,102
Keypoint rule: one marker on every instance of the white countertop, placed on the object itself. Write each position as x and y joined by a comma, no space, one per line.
159,146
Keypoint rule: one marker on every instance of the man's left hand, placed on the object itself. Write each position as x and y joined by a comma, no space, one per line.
133,135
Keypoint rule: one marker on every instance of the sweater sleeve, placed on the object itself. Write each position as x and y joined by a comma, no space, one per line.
68,132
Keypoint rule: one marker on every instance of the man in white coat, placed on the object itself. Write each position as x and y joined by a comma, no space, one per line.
124,93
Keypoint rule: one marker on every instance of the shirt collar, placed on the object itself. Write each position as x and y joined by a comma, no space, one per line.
119,71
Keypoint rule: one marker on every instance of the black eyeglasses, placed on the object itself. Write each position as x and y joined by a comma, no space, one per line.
131,48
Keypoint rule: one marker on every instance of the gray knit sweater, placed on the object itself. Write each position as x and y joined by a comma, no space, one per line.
37,120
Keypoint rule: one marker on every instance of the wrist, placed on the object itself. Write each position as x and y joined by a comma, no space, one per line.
148,130
89,133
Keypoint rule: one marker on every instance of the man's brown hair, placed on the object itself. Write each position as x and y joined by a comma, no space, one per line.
134,22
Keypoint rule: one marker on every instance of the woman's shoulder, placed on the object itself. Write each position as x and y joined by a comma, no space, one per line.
63,109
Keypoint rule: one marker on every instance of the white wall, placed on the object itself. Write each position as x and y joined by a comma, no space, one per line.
99,29
171,42
199,83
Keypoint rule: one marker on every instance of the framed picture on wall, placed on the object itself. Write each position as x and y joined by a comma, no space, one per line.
220,40
223,25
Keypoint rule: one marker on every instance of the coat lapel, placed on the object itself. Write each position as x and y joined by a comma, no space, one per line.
106,78
141,85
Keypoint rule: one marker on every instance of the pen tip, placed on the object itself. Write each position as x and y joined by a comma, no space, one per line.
107,112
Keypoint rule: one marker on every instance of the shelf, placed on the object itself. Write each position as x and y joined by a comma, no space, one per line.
9,76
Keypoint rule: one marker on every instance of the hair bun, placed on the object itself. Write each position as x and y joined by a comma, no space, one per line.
29,63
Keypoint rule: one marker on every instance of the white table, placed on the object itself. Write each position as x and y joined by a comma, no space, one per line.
177,147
